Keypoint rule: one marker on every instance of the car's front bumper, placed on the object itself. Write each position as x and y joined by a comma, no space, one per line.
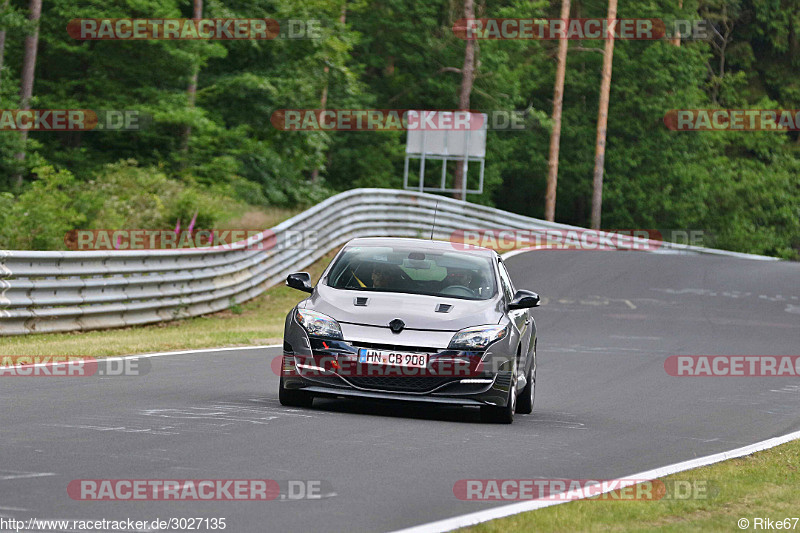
462,378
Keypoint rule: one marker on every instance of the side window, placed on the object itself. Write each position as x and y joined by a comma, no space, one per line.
505,281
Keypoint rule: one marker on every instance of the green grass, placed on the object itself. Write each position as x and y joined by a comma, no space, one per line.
258,321
765,484
254,217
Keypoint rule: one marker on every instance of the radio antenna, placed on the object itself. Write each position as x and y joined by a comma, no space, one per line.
435,210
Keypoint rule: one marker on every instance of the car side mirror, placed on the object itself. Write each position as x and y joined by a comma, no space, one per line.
524,300
300,281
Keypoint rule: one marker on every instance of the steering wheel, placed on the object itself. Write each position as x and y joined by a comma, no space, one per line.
458,290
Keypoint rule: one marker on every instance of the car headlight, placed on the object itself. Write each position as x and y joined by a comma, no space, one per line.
477,338
318,325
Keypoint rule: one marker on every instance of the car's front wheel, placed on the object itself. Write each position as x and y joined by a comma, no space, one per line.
528,395
503,414
294,397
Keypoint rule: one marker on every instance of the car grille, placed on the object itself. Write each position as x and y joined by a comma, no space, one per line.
399,383
503,380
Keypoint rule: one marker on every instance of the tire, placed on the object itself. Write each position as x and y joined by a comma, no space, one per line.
294,397
505,414
528,395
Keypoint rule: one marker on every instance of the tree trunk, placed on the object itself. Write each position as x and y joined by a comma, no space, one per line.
676,39
555,135
191,91
28,71
467,77
323,100
602,117
3,41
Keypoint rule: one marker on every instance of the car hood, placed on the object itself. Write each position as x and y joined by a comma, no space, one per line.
416,310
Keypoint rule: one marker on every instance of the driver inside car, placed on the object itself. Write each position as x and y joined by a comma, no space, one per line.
384,277
463,278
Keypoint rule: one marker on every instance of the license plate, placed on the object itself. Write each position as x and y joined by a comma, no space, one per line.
384,357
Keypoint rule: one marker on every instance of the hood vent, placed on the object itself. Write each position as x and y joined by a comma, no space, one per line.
360,301
443,308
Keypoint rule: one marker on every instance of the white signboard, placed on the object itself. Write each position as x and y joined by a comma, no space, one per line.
447,133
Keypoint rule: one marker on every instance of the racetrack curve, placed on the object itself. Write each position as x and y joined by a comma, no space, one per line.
605,407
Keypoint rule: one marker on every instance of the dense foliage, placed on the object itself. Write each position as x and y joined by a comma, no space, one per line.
397,54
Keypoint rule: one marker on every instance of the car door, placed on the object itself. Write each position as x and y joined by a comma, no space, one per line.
519,317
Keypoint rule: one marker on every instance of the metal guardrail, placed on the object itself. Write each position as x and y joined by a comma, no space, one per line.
67,291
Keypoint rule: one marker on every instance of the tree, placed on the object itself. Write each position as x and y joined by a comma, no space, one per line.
555,135
29,60
676,39
28,70
602,117
3,37
323,100
191,91
467,79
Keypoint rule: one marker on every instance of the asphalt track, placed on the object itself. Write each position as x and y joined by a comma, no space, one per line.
605,407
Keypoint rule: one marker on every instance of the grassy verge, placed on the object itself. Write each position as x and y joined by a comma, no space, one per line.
259,321
765,484
250,217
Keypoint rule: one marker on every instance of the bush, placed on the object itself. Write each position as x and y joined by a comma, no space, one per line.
39,218
122,196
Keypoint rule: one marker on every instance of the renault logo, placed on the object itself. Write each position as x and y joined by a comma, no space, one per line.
397,325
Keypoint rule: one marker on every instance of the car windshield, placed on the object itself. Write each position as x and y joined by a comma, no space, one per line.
406,270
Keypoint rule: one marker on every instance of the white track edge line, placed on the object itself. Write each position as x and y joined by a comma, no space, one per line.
198,350
157,354
470,519
679,251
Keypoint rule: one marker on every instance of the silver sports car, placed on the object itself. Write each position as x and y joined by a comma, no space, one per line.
414,320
